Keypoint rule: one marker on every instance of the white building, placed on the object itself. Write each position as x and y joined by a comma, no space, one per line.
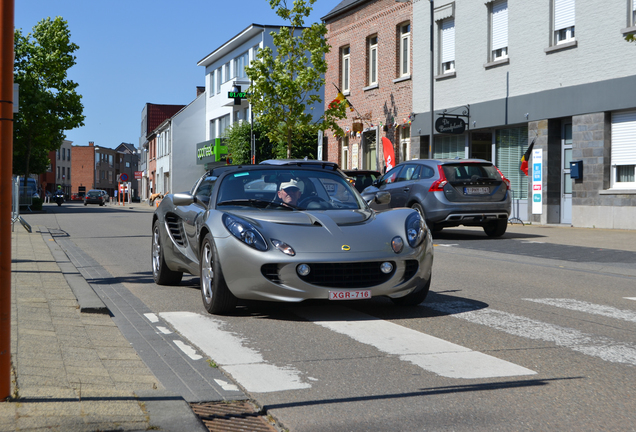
559,71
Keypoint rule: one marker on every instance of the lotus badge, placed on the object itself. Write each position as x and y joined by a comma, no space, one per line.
346,247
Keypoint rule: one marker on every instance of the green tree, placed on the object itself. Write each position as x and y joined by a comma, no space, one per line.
237,137
49,104
286,85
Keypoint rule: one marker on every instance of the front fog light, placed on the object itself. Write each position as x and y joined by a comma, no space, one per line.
397,244
386,267
303,269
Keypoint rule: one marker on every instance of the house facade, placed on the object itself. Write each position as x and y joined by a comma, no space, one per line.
371,64
558,73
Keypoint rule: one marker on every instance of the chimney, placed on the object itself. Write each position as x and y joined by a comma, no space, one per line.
200,90
91,143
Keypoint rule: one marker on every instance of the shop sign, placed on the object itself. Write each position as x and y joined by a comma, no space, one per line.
450,125
211,151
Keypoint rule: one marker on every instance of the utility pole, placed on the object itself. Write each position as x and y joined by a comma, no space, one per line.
7,10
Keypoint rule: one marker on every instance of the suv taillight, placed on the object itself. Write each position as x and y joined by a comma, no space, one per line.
438,185
503,177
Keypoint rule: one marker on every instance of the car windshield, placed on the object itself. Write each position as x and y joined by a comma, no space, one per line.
288,188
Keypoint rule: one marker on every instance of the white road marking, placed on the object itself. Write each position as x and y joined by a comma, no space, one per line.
188,350
226,385
597,346
629,298
246,365
581,306
446,245
164,330
430,353
152,317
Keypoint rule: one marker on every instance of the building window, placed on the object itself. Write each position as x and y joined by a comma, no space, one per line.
373,59
58,154
563,21
68,155
404,54
510,145
58,172
345,63
344,159
447,46
449,147
218,80
623,153
632,14
226,72
68,174
240,63
224,122
405,142
498,30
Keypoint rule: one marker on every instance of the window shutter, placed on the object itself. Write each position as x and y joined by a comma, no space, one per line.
624,138
563,14
500,25
511,144
448,40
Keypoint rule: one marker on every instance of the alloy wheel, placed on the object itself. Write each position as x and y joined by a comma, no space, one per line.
207,273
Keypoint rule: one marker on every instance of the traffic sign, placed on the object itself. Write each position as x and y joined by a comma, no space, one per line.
123,177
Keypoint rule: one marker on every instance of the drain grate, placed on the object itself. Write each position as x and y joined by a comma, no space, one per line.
231,416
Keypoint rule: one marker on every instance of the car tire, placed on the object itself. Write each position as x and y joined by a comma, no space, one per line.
414,298
216,296
160,271
496,228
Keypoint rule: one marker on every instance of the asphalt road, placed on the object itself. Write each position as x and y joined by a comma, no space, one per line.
533,331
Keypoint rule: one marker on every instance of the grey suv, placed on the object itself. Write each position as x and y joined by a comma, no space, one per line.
448,193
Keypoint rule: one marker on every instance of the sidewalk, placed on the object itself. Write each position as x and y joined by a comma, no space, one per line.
73,370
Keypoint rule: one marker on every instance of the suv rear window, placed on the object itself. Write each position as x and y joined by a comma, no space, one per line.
470,172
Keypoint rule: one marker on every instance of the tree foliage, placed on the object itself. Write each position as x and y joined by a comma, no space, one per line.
237,137
630,38
49,103
286,84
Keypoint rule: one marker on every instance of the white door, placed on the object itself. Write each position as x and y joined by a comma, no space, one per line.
566,181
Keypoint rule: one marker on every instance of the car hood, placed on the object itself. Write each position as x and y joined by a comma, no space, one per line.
328,231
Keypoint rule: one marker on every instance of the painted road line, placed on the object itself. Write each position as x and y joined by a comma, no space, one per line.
629,298
596,346
226,385
152,317
188,350
428,352
591,308
246,365
164,330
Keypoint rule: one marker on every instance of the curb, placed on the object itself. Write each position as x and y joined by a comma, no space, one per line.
88,300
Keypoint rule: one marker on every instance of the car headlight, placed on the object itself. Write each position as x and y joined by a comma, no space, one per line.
414,229
245,232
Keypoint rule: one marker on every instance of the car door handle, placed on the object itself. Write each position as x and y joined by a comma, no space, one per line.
406,189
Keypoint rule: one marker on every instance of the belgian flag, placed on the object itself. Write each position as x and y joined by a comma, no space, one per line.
525,158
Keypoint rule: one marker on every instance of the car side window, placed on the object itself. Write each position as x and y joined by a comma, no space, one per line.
409,172
204,190
426,172
391,176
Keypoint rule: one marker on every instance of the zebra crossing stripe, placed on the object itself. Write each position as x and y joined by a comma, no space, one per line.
428,352
592,345
581,306
246,365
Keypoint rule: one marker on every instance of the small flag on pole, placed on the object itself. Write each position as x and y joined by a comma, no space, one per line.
526,157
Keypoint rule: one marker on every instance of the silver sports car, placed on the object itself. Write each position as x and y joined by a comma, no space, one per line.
288,233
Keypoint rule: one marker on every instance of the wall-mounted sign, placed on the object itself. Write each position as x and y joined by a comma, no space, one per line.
450,125
537,181
211,151
241,95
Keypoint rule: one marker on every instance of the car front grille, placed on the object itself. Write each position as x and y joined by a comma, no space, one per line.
174,228
337,275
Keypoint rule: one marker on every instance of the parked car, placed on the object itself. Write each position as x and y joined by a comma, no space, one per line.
449,193
79,196
95,196
362,179
233,230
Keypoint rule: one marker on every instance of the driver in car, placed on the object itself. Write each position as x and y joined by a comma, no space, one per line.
289,192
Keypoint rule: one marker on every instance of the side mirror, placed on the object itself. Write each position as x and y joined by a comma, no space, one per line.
183,199
382,197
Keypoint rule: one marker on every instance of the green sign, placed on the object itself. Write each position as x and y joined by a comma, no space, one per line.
211,151
241,95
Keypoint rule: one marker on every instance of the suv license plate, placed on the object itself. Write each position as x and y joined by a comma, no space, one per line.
476,190
350,295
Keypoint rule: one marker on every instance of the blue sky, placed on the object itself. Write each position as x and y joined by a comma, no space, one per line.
138,51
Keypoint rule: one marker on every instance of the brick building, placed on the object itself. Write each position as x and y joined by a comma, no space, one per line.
370,61
83,167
